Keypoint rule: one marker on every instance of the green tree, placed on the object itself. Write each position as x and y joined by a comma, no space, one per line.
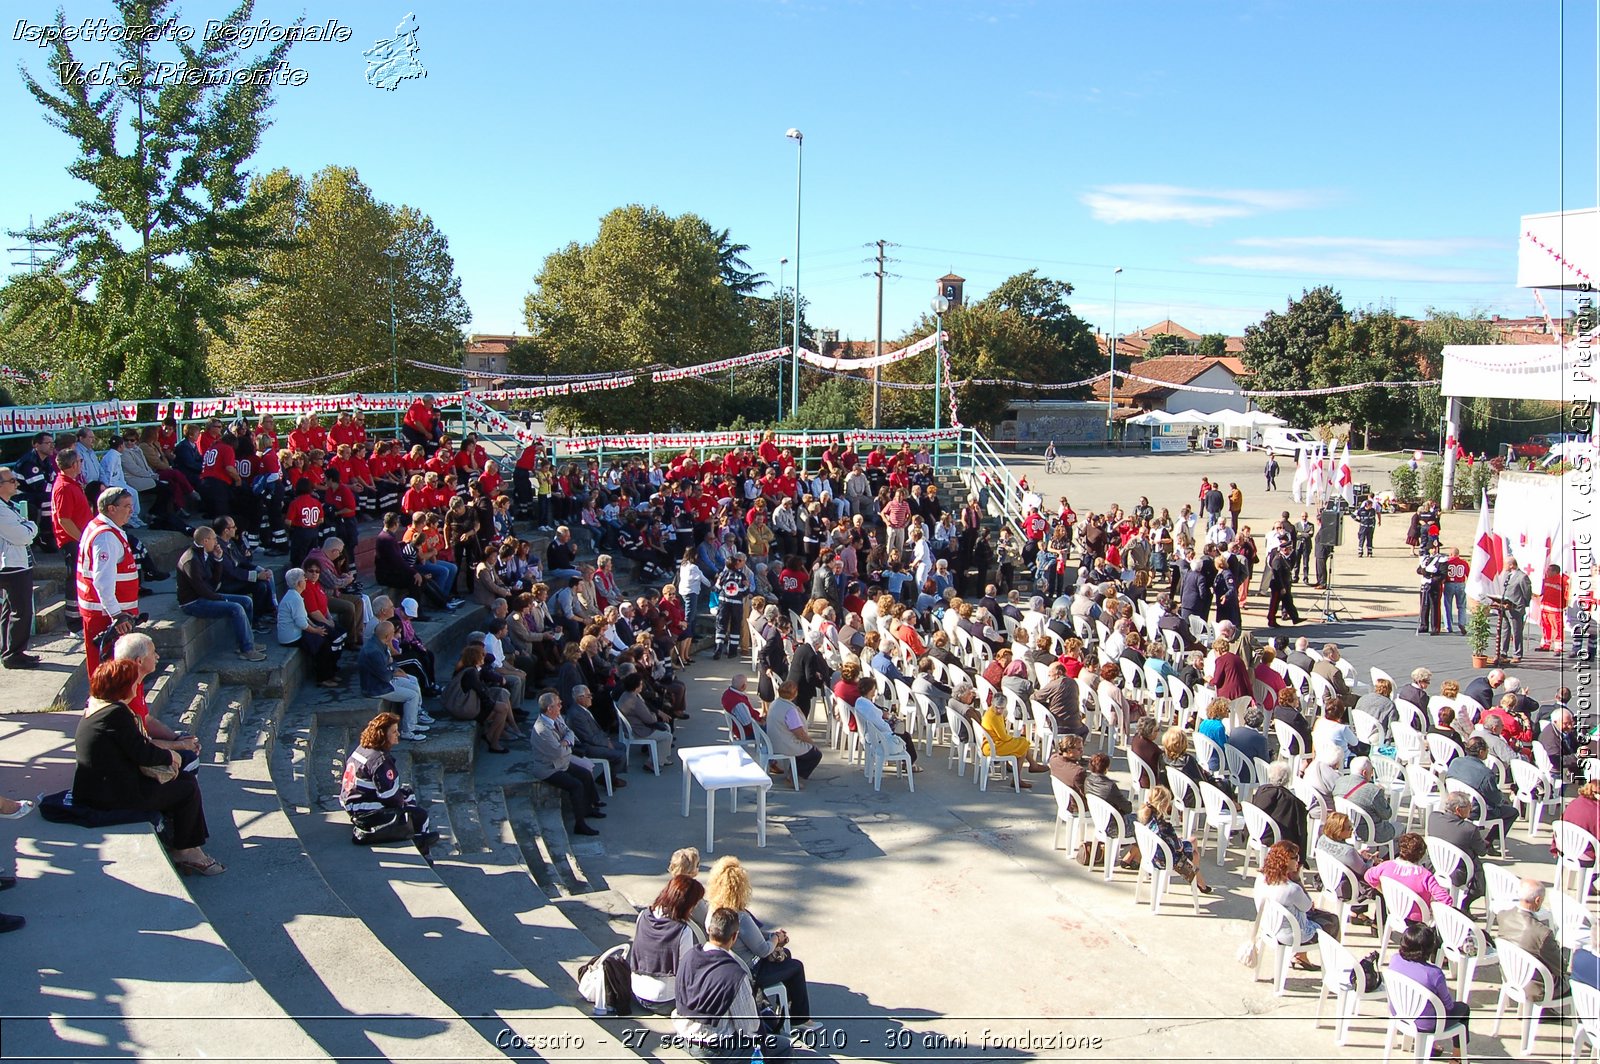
1439,329
1282,351
985,343
1166,344
1372,345
148,262
327,304
1212,345
648,291
1043,301
835,403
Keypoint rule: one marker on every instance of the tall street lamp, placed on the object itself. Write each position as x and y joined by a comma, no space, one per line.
781,264
941,304
799,152
1111,380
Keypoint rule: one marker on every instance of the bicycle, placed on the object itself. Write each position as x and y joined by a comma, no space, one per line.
1057,464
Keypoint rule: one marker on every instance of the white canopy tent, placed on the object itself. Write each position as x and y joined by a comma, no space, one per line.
1192,417
1150,419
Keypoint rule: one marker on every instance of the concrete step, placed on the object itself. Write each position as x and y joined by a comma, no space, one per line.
427,783
58,682
528,832
308,949
402,902
83,976
331,743
552,941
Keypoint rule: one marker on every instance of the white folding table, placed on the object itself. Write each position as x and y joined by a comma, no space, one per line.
724,768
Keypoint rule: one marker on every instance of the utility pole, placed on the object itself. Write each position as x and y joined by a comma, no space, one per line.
877,349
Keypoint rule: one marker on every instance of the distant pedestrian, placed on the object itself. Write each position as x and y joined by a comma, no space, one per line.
1272,472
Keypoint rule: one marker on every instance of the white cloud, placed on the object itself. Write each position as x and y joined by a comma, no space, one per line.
1197,206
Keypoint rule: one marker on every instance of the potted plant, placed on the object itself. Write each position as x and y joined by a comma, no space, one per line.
1478,632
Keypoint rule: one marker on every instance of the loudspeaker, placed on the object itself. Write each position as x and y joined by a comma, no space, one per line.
1330,528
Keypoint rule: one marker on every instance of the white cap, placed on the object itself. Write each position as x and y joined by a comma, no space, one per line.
409,607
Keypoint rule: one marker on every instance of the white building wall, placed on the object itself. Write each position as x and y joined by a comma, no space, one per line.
1205,402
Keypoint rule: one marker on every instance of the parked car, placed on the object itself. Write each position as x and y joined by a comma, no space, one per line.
1286,440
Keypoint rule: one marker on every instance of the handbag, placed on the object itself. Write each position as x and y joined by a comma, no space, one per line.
160,773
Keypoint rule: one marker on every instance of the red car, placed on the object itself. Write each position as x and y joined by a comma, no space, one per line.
1537,447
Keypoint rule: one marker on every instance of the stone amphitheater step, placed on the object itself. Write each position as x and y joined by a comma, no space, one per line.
306,947
433,931
84,976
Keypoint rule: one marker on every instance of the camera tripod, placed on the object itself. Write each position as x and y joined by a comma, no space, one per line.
1331,603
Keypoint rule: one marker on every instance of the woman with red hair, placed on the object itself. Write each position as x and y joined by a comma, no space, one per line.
119,768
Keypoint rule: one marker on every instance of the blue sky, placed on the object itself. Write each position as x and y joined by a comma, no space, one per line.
1226,155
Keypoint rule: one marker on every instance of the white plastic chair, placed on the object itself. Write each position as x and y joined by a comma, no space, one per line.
1378,674
1044,731
1368,729
1449,860
1532,793
1442,749
880,754
1150,845
1586,1016
1398,902
963,748
1463,944
1211,754
1277,924
1365,827
1572,842
1500,889
1337,964
732,727
1409,1000
1490,826
1519,969
1185,799
1262,831
1291,746
1335,874
625,733
1143,773
1425,793
765,757
1222,816
1107,824
848,738
1069,812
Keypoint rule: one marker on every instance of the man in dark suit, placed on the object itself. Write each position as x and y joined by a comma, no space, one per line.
1298,656
1483,689
990,600
1175,623
1452,822
1280,803
1191,594
1522,927
1560,740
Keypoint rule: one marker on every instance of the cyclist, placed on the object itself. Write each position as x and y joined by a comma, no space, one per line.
1050,457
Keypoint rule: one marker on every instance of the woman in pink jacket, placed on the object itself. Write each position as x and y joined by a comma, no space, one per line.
1408,870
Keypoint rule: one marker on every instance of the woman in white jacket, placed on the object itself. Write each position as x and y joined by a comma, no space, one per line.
112,475
691,582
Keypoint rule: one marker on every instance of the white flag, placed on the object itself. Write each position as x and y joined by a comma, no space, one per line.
1346,477
1302,474
1488,555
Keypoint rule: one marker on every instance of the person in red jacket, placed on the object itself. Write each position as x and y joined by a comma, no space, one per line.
422,426
1553,601
304,516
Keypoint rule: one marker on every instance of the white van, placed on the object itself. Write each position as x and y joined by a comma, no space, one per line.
1286,440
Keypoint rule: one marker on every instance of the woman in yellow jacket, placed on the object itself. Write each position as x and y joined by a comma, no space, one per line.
998,739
